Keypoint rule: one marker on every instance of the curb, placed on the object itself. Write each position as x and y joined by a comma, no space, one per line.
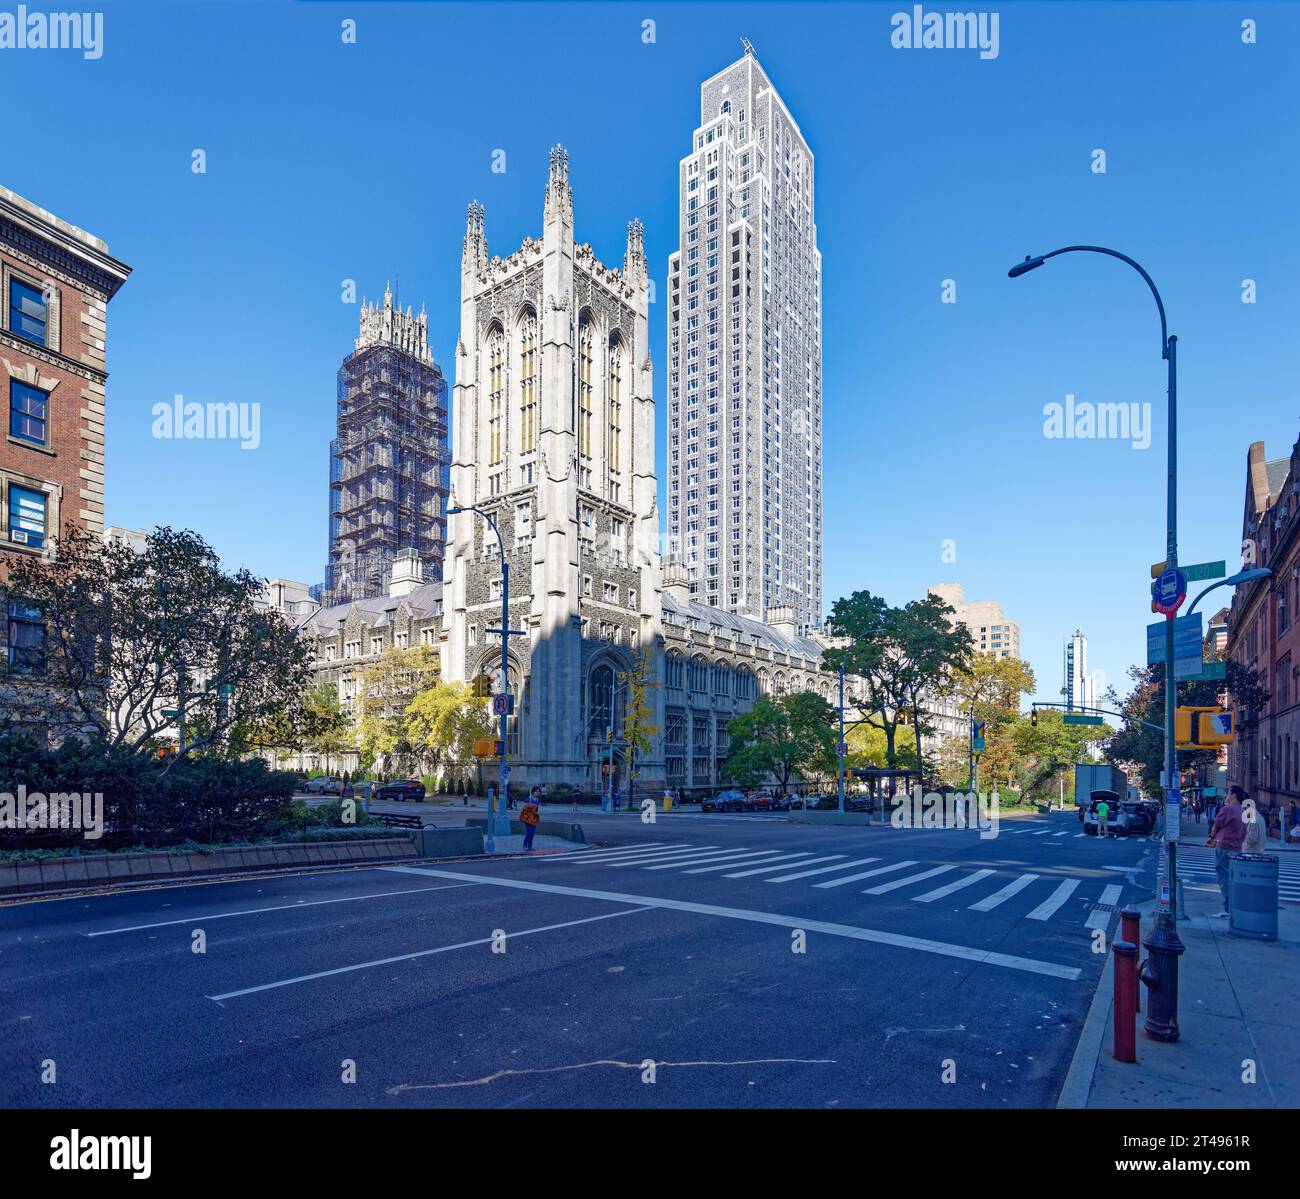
1083,1065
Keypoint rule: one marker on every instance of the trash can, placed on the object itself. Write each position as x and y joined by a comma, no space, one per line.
1252,896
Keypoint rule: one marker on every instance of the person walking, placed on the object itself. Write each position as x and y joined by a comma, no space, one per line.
531,815
1255,839
1103,814
1226,836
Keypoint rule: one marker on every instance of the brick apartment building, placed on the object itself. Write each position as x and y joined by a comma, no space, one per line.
1263,634
55,284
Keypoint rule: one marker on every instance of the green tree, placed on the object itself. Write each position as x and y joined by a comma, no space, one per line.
784,737
129,635
639,729
898,655
442,724
387,689
993,688
1053,747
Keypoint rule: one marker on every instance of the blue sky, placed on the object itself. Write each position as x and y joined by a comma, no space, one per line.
329,162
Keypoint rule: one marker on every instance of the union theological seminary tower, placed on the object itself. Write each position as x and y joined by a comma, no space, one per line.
553,434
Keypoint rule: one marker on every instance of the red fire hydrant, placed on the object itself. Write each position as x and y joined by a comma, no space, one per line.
1130,930
1125,1001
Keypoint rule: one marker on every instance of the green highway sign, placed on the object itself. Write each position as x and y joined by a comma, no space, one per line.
1205,570
1081,718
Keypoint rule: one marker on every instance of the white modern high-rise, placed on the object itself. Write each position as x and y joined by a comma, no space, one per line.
1080,690
745,356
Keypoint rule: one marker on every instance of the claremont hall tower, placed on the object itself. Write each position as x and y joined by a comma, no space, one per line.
745,356
553,435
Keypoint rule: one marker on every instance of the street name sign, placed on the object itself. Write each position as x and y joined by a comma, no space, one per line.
1211,670
1081,718
1205,570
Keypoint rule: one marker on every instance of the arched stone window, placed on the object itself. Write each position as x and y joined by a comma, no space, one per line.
721,679
586,400
529,374
615,392
603,700
496,394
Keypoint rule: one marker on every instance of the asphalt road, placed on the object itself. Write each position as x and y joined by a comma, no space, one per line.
925,953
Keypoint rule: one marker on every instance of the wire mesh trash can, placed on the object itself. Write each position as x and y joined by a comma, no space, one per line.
1252,896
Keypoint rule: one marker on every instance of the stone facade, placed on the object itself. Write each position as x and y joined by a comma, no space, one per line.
553,430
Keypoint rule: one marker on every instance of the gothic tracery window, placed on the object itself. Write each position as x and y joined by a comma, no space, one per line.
586,402
528,376
496,394
615,391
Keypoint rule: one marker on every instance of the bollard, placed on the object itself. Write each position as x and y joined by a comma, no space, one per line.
1130,930
1160,974
1125,1013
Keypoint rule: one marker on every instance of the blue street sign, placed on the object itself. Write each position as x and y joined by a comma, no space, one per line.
1187,638
978,745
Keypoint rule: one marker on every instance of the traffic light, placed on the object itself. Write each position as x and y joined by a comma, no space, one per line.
482,686
1200,728
1033,718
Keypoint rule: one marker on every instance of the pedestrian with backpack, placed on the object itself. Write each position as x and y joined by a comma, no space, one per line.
531,815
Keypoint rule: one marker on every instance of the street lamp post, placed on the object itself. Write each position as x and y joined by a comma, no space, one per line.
1163,941
839,745
499,824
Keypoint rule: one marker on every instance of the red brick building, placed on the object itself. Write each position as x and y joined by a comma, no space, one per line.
1263,633
55,284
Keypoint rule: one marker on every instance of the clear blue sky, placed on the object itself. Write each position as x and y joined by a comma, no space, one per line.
329,161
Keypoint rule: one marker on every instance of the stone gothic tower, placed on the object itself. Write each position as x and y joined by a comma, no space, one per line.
553,438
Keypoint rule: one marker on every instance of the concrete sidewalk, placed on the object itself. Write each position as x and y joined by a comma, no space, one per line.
1236,1014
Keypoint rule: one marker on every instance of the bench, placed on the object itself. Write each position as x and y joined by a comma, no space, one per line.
400,820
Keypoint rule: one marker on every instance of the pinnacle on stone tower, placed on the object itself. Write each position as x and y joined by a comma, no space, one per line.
559,196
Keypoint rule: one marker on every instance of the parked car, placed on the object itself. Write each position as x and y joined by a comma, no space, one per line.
329,786
401,789
725,801
794,803
1139,818
759,801
318,785
1116,819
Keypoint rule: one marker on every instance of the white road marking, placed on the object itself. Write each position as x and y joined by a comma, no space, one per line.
770,855
696,858
1043,832
284,907
911,878
1063,833
1048,907
789,878
943,892
656,855
878,936
989,902
853,878
423,953
783,866
1109,894
658,846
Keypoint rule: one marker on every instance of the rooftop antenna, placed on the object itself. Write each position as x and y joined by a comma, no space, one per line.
749,46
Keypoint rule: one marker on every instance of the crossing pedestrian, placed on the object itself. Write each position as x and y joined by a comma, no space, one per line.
531,815
1226,836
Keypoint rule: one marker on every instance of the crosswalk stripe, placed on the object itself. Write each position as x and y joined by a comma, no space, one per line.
1042,832
789,878
781,866
894,884
613,855
619,851
941,892
750,859
1100,918
989,902
1048,907
694,859
853,878
1063,833
656,855
1080,834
